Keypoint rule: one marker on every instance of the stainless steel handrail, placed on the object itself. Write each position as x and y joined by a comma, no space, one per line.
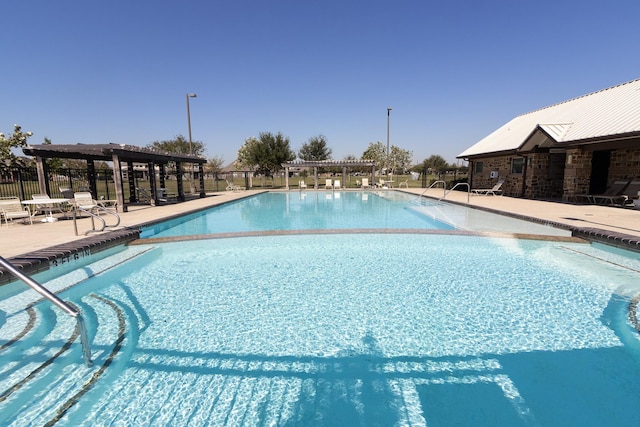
84,338
444,187
454,187
93,215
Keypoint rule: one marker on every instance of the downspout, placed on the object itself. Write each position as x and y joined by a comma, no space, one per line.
524,176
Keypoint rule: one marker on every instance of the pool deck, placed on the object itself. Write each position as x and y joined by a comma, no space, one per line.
30,245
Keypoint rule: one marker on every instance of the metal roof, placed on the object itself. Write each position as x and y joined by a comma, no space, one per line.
602,115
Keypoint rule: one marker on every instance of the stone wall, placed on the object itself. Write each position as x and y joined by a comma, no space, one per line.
625,164
553,175
502,165
577,173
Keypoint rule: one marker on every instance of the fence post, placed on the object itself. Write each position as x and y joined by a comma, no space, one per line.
21,184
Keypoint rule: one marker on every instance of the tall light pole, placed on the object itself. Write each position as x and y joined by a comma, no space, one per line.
388,151
192,187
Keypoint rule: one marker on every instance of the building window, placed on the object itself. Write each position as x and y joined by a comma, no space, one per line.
478,167
517,165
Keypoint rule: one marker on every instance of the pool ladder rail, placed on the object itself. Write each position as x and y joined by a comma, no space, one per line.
67,308
94,213
444,188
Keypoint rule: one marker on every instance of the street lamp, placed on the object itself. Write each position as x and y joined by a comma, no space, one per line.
192,186
388,152
190,95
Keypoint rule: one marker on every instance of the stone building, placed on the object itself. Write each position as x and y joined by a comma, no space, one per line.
580,146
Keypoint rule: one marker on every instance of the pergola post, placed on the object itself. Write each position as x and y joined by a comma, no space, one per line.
286,178
161,173
151,168
43,182
91,177
201,171
179,173
131,177
344,177
315,177
117,181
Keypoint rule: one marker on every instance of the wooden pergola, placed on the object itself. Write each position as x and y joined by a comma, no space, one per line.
326,164
118,154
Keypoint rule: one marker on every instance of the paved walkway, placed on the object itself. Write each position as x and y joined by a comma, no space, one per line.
18,239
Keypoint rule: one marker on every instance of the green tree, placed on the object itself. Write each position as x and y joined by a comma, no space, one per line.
435,164
400,159
16,140
266,153
214,165
179,145
315,149
377,152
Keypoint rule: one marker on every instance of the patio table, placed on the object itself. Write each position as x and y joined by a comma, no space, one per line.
47,203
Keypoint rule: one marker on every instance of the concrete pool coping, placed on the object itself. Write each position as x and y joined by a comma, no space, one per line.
32,247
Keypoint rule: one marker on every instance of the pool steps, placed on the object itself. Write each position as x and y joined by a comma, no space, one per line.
53,298
37,350
46,361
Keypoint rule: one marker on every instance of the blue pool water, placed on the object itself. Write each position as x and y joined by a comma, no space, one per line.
341,210
335,330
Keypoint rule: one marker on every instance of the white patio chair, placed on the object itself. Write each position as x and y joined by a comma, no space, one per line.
84,200
496,190
233,187
11,209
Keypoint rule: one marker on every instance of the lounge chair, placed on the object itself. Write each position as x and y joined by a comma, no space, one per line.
336,184
11,209
365,183
165,195
302,185
612,196
496,190
84,200
66,192
405,183
328,184
632,192
233,187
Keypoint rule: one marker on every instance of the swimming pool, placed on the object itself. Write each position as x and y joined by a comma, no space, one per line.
339,329
355,210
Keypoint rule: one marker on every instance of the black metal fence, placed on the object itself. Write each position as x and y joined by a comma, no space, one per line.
23,182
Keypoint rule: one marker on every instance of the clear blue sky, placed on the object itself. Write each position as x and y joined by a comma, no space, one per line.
453,71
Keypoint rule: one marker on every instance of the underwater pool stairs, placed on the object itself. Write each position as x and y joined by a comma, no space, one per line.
33,346
34,350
